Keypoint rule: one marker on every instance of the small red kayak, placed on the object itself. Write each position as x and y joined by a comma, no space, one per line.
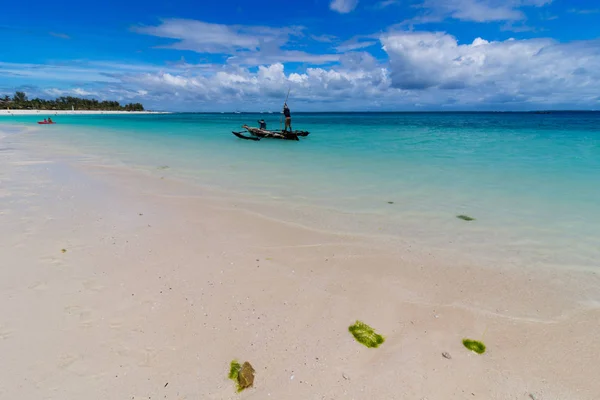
45,123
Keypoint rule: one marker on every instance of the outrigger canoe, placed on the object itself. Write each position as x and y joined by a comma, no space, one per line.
257,134
46,123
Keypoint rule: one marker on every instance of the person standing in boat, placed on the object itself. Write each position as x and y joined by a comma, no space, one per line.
288,117
262,124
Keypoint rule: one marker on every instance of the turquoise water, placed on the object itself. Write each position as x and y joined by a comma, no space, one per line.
532,181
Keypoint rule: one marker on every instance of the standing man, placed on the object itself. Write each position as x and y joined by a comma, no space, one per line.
288,117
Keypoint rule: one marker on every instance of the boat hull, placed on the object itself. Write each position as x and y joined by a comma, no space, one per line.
242,136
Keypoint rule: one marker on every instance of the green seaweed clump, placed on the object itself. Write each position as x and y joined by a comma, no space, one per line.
364,334
234,370
465,218
163,167
474,345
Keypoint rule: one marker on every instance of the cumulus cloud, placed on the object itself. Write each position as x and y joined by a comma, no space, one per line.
343,6
536,70
267,84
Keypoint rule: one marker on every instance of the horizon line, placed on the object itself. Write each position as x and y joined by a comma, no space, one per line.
545,111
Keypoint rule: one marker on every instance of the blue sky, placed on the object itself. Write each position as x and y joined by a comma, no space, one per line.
334,54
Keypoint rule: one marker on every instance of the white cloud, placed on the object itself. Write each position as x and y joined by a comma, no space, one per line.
204,37
538,71
343,6
476,10
267,84
387,3
584,11
83,92
352,45
284,56
74,71
70,92
96,71
244,44
323,38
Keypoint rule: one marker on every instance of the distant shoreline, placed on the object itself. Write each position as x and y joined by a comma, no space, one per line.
4,112
71,112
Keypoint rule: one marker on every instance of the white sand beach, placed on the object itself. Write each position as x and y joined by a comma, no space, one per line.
8,112
162,284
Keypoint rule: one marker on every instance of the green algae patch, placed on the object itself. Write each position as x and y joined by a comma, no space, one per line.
366,335
242,375
474,345
465,217
234,370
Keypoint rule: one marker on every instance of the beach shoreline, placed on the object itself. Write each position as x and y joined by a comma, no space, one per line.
74,112
155,269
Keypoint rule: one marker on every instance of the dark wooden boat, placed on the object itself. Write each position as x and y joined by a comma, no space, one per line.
301,133
263,133
242,136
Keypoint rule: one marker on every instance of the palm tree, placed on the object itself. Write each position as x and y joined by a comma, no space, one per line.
20,100
20,97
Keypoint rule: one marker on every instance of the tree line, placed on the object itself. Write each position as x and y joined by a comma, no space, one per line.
20,101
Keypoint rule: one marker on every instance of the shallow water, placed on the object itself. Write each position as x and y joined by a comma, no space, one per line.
532,181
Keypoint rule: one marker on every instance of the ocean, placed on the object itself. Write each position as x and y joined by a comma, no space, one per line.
531,181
